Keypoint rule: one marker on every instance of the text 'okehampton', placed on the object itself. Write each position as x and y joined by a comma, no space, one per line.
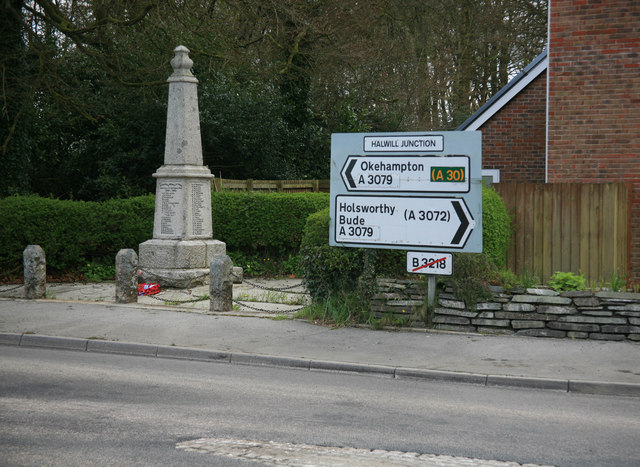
391,167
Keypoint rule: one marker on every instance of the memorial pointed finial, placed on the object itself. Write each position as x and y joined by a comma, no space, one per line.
182,64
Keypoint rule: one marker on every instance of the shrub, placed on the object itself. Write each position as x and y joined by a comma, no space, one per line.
472,274
562,281
496,227
327,270
316,229
269,223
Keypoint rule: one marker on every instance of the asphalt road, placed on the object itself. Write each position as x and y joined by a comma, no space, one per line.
78,408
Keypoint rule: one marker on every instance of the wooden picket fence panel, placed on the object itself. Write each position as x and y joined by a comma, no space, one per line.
287,186
580,228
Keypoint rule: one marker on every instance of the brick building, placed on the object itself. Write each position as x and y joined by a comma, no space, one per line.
573,115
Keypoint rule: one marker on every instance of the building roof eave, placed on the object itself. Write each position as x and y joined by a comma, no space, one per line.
508,92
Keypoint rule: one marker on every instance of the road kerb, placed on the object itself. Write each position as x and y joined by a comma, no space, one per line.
186,353
9,338
268,360
51,342
343,367
604,388
127,348
528,382
438,375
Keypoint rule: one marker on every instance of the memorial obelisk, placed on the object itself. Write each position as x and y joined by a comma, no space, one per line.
182,246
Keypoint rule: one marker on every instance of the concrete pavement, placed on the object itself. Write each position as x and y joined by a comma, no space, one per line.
85,317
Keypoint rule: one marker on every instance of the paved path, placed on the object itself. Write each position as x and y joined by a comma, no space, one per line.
85,317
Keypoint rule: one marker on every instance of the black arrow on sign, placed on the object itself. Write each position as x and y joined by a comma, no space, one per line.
464,223
347,173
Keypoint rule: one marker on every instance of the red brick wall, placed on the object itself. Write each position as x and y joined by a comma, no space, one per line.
594,98
513,140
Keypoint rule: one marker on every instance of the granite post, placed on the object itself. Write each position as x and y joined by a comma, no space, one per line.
182,246
126,276
35,272
221,285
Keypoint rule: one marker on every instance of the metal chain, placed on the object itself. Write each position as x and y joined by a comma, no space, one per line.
238,302
255,284
176,302
12,288
273,289
163,277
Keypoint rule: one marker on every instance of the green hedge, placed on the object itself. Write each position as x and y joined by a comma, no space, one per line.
73,233
263,222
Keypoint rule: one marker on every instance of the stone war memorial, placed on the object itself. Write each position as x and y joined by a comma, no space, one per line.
182,247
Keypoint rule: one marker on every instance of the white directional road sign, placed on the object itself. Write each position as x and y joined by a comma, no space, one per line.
413,191
426,174
402,221
429,262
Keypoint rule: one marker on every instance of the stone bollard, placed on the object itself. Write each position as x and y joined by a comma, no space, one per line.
35,272
126,276
220,284
238,274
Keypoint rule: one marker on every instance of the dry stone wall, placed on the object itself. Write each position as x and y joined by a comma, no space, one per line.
527,312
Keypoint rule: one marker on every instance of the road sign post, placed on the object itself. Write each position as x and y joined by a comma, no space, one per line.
418,191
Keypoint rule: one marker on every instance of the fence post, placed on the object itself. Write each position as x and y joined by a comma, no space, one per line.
35,272
126,276
220,284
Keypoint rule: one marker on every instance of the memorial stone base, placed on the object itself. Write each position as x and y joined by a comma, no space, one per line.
178,263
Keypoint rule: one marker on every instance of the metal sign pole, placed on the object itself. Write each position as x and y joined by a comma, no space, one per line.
431,291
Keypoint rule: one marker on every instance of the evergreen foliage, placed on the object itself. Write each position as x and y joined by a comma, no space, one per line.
72,233
269,223
496,227
76,233
563,281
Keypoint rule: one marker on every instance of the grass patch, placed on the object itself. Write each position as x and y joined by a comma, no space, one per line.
338,310
280,318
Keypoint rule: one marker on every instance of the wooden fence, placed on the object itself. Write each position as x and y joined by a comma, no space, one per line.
287,186
580,228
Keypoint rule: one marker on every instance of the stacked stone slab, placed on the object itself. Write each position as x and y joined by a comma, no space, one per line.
527,312
182,246
399,299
